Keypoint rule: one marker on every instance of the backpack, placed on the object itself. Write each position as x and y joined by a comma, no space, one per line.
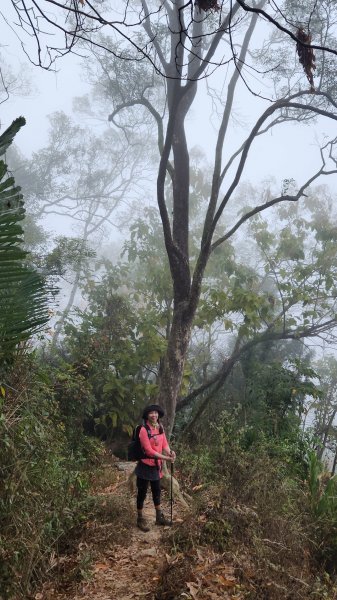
135,451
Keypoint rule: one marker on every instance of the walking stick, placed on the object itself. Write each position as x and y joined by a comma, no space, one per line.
171,490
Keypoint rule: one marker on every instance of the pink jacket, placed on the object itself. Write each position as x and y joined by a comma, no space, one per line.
157,443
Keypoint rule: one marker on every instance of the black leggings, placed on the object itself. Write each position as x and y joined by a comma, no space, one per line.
142,485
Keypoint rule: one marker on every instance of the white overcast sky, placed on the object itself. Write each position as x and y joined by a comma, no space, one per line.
288,152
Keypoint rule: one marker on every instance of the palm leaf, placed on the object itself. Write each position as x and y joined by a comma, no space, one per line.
23,294
9,134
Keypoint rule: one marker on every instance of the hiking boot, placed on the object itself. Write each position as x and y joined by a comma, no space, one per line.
141,524
161,520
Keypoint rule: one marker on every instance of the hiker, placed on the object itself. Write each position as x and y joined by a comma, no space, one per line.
155,445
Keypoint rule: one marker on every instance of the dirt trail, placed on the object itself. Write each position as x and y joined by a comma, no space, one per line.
129,573
121,572
114,560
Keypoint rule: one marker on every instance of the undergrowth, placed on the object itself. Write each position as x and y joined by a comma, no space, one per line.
108,517
44,481
254,505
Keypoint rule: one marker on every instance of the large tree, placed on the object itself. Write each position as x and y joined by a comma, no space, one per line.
152,60
196,41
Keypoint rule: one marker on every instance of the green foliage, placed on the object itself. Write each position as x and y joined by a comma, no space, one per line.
275,393
241,296
268,391
295,290
73,395
199,462
43,484
148,266
68,253
6,139
117,349
299,257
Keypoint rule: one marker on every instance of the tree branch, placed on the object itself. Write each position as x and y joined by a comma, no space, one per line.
262,207
282,103
220,377
260,11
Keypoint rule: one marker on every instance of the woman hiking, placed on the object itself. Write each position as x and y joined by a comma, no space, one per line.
156,448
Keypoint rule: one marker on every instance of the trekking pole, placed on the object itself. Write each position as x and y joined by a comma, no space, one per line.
171,493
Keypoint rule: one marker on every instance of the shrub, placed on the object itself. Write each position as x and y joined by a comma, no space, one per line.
251,505
44,486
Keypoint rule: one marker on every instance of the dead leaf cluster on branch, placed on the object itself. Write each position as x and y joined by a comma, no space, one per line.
306,55
206,5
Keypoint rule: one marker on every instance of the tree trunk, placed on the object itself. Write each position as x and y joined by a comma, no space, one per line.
333,470
186,291
60,323
173,365
325,434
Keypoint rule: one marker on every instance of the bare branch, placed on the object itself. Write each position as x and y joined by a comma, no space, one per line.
262,207
282,103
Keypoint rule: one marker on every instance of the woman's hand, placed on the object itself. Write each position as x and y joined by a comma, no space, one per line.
167,457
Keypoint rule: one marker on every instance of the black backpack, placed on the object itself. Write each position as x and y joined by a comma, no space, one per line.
135,451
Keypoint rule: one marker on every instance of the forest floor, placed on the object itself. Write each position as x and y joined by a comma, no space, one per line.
113,560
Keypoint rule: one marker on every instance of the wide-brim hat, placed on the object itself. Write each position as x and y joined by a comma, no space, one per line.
151,408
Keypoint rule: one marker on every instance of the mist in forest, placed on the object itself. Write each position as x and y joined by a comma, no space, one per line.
89,182
168,237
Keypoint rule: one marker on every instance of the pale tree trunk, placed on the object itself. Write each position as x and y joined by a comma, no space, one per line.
60,323
91,225
325,434
333,470
74,288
